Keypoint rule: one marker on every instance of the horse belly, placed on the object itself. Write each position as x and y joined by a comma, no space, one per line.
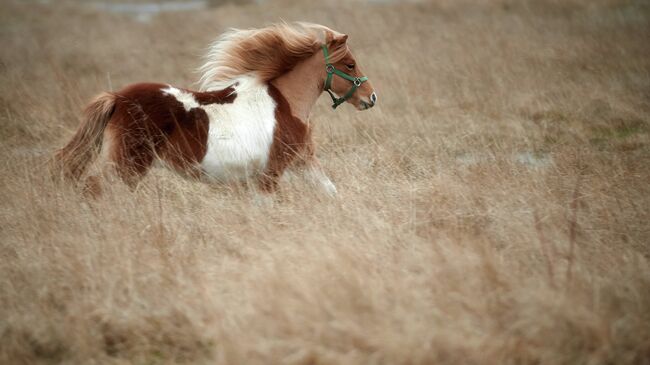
239,139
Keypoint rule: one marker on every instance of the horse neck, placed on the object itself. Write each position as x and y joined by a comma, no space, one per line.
302,86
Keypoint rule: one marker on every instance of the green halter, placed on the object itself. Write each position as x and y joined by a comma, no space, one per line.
331,70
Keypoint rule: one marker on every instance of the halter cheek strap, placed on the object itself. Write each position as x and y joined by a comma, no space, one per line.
331,70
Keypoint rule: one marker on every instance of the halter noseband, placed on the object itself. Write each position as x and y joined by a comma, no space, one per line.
331,70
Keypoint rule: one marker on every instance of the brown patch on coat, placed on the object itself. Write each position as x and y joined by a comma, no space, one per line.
291,138
144,123
225,96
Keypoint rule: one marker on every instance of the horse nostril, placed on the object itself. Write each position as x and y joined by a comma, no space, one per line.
373,98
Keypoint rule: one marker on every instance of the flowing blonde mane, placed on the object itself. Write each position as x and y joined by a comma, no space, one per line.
266,53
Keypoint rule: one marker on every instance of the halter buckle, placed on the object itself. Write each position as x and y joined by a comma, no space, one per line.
357,82
329,69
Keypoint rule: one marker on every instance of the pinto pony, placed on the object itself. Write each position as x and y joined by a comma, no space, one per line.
249,121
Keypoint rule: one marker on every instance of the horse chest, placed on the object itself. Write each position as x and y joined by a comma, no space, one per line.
239,136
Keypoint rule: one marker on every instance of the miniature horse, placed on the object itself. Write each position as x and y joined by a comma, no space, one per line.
250,121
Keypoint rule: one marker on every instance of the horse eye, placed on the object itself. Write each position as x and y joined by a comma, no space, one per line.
350,66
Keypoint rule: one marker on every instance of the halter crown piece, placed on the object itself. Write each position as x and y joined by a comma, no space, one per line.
331,70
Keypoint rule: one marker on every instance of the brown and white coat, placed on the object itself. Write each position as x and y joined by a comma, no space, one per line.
251,120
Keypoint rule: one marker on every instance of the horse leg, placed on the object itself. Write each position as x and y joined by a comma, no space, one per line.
133,165
313,171
317,177
132,157
93,187
268,181
129,156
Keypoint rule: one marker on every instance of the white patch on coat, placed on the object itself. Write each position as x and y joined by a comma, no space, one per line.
185,98
240,134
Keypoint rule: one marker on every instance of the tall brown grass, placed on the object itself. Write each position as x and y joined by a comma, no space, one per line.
492,209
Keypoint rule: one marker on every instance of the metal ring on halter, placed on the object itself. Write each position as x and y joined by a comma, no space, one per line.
357,82
329,69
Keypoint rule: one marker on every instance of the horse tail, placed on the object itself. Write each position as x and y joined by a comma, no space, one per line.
73,159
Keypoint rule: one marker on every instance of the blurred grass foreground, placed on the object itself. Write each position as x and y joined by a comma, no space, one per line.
493,208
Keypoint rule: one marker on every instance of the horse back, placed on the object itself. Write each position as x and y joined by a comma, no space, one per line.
153,118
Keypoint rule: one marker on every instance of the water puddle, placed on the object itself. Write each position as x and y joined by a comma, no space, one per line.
473,159
526,158
144,12
534,159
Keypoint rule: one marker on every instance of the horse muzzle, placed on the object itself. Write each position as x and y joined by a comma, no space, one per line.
370,103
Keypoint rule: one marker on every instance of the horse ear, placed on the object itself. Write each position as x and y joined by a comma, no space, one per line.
338,40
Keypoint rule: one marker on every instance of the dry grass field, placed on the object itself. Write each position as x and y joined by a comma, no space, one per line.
492,209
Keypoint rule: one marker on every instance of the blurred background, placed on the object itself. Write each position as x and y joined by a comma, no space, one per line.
492,208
